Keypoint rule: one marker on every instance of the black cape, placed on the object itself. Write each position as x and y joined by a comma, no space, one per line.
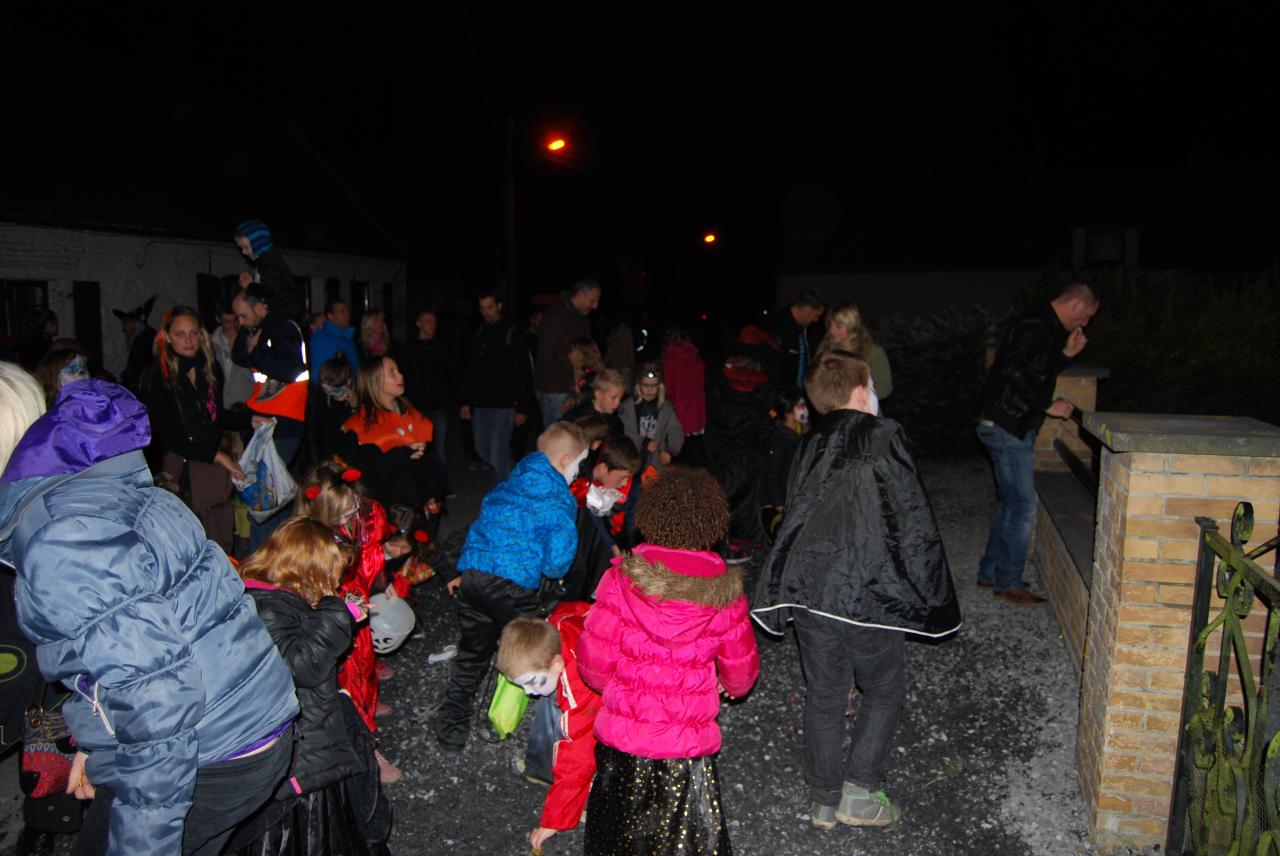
859,542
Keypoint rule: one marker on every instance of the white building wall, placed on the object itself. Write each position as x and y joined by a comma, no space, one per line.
131,268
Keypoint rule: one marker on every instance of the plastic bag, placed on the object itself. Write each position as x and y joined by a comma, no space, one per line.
507,708
267,485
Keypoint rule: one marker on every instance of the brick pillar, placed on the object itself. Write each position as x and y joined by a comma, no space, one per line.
1158,474
1079,385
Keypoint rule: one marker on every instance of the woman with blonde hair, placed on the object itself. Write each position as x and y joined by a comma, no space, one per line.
847,332
23,403
375,339
393,437
182,391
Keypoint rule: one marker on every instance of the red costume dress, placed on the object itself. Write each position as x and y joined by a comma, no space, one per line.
358,673
574,757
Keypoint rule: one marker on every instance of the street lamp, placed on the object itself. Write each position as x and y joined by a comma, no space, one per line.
709,238
556,145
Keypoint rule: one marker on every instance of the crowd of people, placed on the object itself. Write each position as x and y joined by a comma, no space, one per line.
221,668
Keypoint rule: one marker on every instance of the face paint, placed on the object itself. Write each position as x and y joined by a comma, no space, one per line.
572,472
540,683
802,413
73,370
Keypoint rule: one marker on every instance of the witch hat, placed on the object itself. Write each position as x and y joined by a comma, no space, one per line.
138,312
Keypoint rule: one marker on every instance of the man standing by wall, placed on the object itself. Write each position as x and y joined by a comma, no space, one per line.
565,320
497,389
1015,402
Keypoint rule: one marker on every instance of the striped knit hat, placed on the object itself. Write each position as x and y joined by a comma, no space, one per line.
257,234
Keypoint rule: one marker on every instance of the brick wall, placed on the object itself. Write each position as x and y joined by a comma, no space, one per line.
1080,386
1063,584
1140,612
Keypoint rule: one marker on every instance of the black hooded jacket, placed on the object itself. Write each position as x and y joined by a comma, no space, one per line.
859,542
311,641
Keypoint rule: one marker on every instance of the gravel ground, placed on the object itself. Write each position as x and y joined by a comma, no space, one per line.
983,762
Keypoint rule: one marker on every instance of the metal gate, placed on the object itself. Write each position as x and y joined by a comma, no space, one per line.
1226,796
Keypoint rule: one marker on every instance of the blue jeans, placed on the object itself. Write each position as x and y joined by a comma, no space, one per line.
439,433
492,427
549,404
1014,464
837,655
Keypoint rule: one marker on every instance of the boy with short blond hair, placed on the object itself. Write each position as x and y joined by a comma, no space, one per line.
525,531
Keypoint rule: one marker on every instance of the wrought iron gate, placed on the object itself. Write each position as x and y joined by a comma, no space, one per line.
1226,796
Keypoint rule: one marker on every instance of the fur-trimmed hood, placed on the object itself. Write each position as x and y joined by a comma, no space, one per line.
690,575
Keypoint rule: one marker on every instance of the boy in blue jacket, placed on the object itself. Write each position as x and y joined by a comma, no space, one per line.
525,532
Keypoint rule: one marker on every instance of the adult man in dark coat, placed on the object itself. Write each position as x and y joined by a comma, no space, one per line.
797,337
497,391
142,340
858,563
1015,402
566,319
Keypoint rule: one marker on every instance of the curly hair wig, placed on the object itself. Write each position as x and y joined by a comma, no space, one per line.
684,509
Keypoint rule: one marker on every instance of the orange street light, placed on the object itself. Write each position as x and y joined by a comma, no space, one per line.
709,238
556,145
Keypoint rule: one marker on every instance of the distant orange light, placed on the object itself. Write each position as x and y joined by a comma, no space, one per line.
704,316
556,145
710,237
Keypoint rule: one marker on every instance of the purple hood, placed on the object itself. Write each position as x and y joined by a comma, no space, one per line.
91,421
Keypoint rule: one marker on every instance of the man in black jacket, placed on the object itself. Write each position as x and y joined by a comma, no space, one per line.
1017,398
497,388
797,337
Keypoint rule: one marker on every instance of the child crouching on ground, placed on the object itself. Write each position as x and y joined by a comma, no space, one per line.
668,631
331,493
525,532
857,563
539,657
294,581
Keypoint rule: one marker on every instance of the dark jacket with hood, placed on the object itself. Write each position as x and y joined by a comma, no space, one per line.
126,600
738,397
859,542
311,641
1020,385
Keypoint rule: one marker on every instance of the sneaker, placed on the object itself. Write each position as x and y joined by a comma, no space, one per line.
523,770
823,816
445,654
381,710
736,554
388,773
385,672
861,807
1022,597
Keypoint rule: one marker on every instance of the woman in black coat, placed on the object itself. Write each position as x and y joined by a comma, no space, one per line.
331,802
184,403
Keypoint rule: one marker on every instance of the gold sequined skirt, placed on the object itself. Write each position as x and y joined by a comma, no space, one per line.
655,806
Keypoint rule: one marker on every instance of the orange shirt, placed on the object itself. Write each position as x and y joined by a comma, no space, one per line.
391,430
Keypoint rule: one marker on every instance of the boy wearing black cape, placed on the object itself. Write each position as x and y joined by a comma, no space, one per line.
857,564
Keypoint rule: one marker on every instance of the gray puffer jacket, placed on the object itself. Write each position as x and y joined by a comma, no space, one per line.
126,600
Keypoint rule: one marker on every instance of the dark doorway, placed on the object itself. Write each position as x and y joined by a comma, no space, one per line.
86,301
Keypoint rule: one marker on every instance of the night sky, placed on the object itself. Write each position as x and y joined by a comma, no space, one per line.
973,136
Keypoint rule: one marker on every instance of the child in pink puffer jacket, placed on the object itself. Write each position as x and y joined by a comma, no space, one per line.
668,633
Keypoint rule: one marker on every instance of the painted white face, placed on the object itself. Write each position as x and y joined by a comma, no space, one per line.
571,472
801,412
540,683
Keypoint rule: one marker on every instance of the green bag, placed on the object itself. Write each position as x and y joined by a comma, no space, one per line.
507,707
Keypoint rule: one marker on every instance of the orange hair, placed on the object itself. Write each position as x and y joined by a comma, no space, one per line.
303,556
